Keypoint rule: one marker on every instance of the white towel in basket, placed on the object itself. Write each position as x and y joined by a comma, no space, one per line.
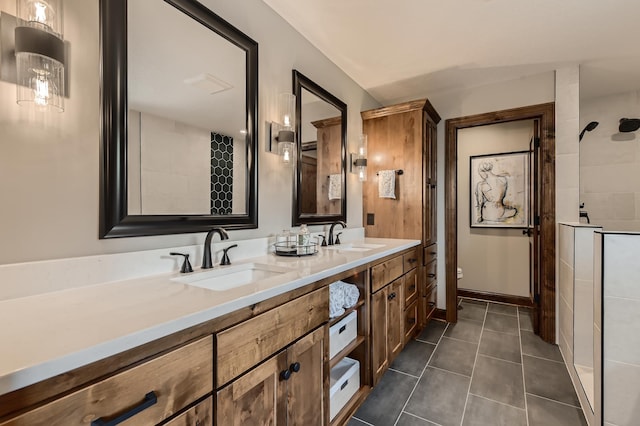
342,295
387,184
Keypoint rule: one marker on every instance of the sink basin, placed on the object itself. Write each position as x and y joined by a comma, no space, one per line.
355,247
228,277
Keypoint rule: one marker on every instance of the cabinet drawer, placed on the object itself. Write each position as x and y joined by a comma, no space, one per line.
199,415
430,253
430,272
385,272
411,259
410,287
242,346
176,379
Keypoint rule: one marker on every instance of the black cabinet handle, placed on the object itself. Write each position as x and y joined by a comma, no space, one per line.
391,296
431,303
295,367
412,287
344,385
411,320
412,260
343,328
285,375
431,275
149,400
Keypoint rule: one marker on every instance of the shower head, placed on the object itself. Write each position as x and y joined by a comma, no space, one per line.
589,127
628,125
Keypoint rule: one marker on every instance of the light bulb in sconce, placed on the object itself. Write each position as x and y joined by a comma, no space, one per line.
359,159
43,14
285,150
39,52
283,131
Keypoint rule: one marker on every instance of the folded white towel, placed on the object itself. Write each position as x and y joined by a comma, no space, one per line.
342,295
387,184
335,186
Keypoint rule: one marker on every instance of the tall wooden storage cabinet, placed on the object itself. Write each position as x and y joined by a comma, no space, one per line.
404,137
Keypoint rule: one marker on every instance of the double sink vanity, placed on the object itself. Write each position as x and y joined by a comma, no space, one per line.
240,344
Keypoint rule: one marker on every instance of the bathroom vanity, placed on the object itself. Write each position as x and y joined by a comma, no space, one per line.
160,349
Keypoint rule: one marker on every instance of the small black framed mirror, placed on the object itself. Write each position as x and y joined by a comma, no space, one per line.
179,120
320,193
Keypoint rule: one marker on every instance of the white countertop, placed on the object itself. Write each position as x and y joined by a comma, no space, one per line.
49,334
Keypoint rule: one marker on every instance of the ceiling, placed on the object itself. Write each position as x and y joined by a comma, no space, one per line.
404,49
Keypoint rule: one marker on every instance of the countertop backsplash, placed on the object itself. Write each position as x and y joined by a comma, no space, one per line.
32,278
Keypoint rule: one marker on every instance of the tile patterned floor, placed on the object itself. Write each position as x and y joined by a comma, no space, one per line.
488,369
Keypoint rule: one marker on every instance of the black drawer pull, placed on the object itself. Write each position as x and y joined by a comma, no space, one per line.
431,303
431,275
412,260
412,287
149,400
295,367
343,328
391,296
344,385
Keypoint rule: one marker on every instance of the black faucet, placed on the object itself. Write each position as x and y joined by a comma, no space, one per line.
339,222
206,256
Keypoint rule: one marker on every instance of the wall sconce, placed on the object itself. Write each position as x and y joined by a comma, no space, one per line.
359,159
33,53
282,135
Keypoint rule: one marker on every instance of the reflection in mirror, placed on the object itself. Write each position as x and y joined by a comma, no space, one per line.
186,119
179,120
320,195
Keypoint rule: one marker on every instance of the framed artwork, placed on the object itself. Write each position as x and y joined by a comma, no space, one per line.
500,190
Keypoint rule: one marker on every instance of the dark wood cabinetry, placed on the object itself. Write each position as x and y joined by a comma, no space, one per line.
287,389
404,137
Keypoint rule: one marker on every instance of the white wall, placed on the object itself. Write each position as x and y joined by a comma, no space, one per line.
493,260
609,168
49,164
531,90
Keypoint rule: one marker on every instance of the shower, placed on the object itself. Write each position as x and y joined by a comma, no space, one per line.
628,125
589,127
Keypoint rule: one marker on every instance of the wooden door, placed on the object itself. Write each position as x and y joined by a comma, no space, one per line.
534,225
395,325
379,331
257,398
306,394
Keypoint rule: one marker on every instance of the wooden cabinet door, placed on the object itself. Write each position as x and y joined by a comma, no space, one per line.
305,388
257,398
410,321
379,321
395,324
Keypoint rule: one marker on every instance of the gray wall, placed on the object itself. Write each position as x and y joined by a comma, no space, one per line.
49,163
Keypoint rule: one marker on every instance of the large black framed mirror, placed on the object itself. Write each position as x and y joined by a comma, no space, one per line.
179,120
320,193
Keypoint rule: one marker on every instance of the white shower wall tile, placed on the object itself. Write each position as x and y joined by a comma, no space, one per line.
621,391
621,330
566,237
566,282
584,253
622,267
583,323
